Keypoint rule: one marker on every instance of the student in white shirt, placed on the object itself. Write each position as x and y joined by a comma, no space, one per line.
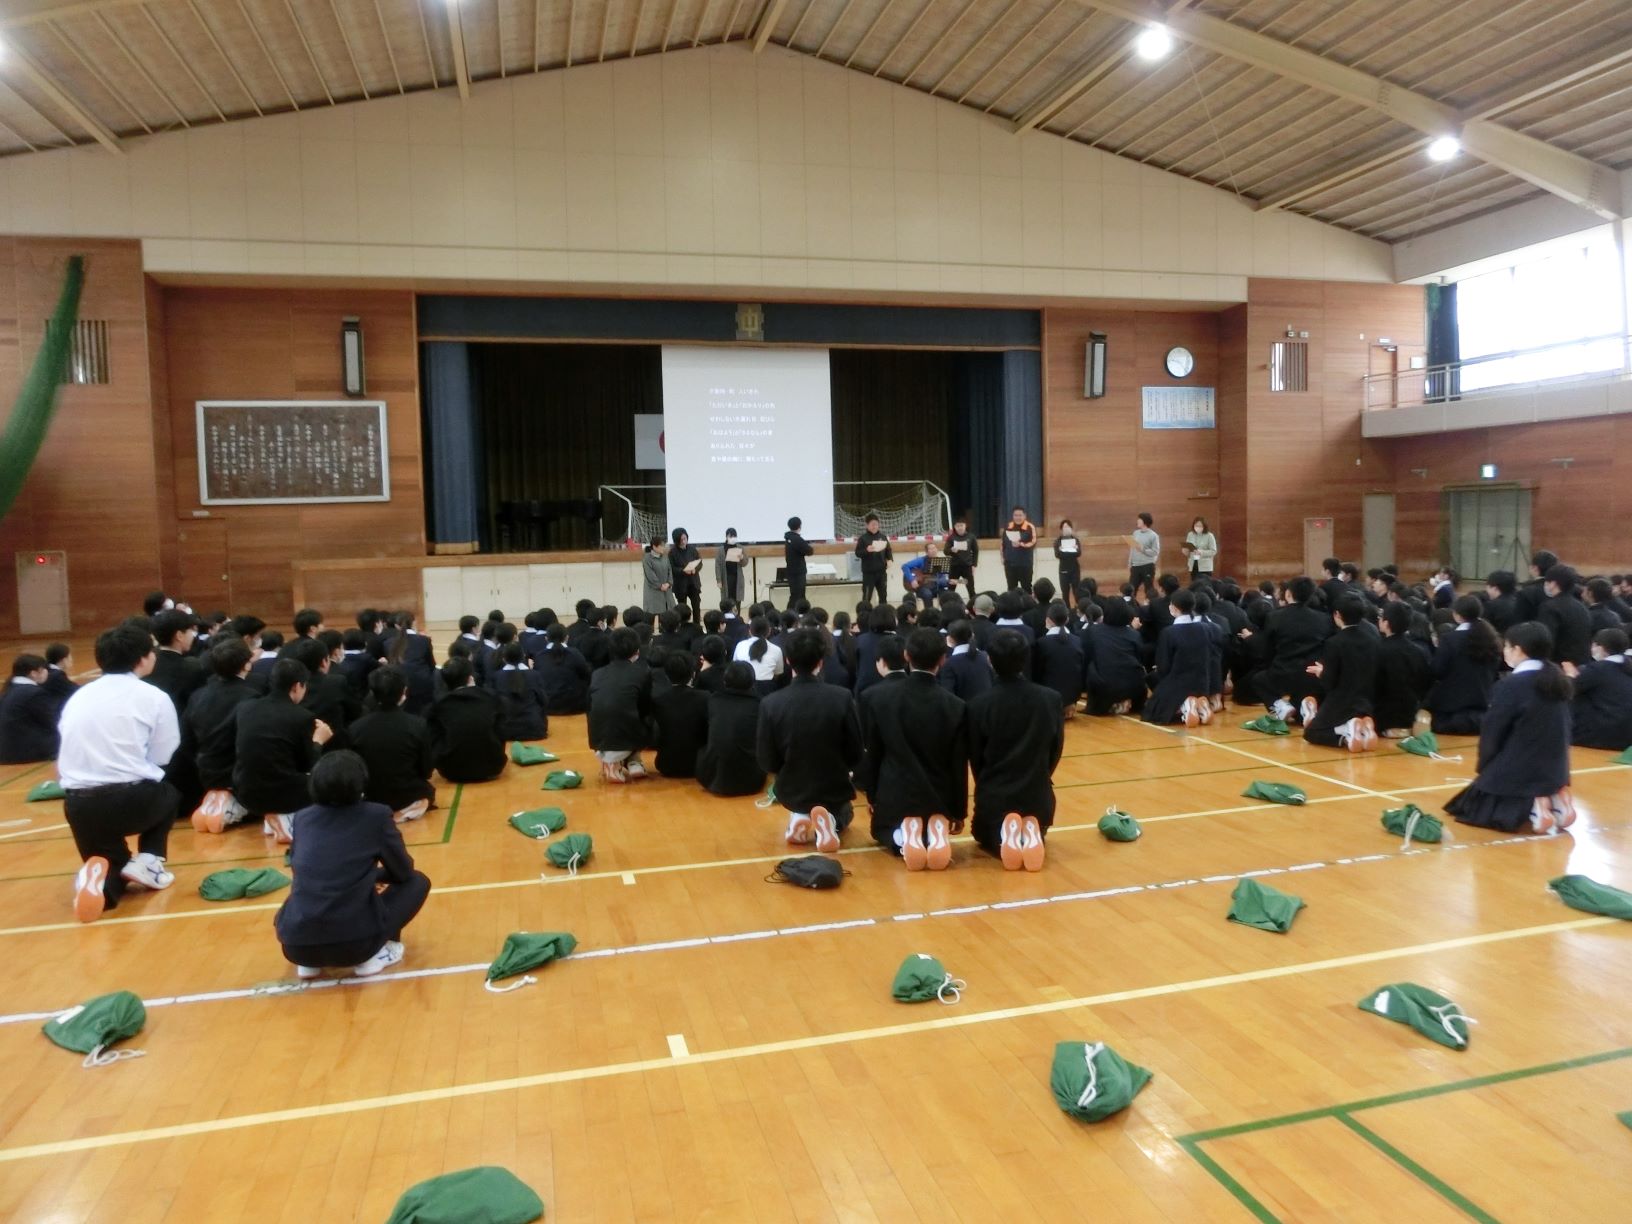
118,733
763,655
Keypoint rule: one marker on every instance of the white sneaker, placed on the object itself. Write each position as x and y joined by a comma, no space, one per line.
307,972
1204,711
1307,709
1187,712
1282,709
389,954
635,768
279,828
147,871
413,811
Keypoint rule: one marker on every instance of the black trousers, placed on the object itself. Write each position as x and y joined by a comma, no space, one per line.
963,574
1017,576
102,817
796,588
402,902
1070,576
876,583
1143,577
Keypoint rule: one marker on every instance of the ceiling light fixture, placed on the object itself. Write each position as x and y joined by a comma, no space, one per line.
1153,43
1443,148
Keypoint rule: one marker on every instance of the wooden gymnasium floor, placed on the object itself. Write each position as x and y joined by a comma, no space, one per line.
723,1048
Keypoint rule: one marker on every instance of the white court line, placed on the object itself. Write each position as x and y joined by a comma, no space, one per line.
27,832
286,986
628,877
677,1046
13,824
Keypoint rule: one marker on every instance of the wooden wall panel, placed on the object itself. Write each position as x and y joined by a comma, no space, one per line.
90,490
285,344
1233,510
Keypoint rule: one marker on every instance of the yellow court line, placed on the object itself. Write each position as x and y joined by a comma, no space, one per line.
638,1066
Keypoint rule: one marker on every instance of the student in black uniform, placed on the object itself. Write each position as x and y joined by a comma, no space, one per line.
260,670
1057,660
176,672
840,666
411,651
680,715
1347,671
1566,618
466,742
1293,638
564,673
1501,600
967,672
28,714
1332,585
372,626
962,550
1068,552
276,746
1524,744
881,626
809,738
355,884
210,726
1404,674
396,747
1185,666
328,695
1603,695
1465,665
1019,547
1016,735
728,764
59,666
712,658
1596,594
1531,594
356,662
685,562
876,554
728,568
620,710
523,699
1116,670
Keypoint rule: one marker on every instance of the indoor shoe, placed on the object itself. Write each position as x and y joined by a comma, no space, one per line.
913,851
1187,712
1541,817
1011,843
613,771
1349,733
89,899
1204,710
390,954
1365,729
307,972
800,830
635,769
938,847
413,811
147,871
279,828
827,830
1032,850
1563,809
210,816
1307,709
1281,710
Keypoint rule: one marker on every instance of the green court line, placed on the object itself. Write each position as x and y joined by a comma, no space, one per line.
1449,1193
1221,1175
453,814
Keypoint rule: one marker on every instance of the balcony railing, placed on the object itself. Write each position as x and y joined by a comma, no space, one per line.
1594,359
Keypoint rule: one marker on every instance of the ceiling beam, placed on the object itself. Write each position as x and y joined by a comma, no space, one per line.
1565,174
1090,71
61,98
456,40
767,24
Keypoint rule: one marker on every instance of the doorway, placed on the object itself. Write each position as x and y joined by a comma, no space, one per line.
1487,529
1377,531
1317,543
205,564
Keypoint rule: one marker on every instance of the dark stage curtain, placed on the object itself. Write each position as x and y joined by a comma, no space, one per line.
452,444
893,416
997,455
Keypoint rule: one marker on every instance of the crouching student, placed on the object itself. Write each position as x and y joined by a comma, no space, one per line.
1057,659
1603,694
355,885
1185,667
1347,671
28,714
467,744
1524,744
396,747
1403,675
276,745
809,737
522,696
728,764
211,723
1016,735
681,713
620,709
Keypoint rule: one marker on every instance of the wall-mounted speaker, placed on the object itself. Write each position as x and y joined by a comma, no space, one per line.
1093,377
353,376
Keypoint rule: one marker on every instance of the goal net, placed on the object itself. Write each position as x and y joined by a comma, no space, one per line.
639,513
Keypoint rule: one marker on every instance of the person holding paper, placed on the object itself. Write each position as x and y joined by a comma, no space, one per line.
1068,552
962,554
728,567
1144,547
685,561
795,548
875,553
1200,546
1019,542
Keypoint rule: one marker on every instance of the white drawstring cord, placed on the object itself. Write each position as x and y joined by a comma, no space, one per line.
1411,826
526,979
951,986
1445,1015
101,1056
1086,1098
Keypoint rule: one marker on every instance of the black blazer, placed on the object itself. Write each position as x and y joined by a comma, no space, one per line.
620,707
356,667
967,675
58,684
329,696
260,674
710,680
810,737
1295,637
396,747
795,548
419,668
1184,668
524,701
681,714
467,743
727,765
867,661
178,675
564,673
1524,742
1567,618
917,752
839,666
1404,675
339,854
1349,674
1016,735
211,720
28,724
1603,706
983,627
273,753
1116,669
1058,663
1502,612
1460,684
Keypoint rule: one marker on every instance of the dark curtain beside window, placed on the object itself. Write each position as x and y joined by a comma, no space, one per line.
1444,344
893,416
997,449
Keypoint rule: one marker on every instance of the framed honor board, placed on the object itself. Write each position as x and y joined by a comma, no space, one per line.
273,452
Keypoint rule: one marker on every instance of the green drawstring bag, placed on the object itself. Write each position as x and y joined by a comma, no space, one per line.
540,822
1425,745
1258,905
93,1026
1579,892
1275,792
238,882
571,851
1411,822
1430,1013
524,950
922,978
50,789
485,1195
1092,1081
1624,759
1118,826
563,779
526,754
1625,1119
1267,724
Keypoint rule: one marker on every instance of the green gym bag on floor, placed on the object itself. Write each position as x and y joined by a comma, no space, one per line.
571,851
563,779
485,1195
526,754
1425,745
1275,792
524,950
1258,905
1413,824
236,883
49,789
922,978
1091,1081
539,823
1624,759
96,1024
1579,892
1267,724
1430,1013
1118,826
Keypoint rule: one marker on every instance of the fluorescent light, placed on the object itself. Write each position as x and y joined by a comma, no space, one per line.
1443,148
1153,43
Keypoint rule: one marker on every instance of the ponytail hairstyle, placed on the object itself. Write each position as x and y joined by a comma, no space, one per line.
1614,642
512,655
761,629
1535,641
1483,644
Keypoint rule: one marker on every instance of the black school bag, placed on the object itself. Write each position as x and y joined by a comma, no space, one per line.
808,871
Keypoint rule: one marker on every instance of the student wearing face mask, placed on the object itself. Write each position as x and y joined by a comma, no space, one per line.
1602,707
1068,552
729,567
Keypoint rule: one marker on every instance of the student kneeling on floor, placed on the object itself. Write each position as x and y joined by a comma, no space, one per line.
337,915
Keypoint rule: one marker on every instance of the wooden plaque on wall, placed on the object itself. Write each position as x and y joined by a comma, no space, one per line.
272,452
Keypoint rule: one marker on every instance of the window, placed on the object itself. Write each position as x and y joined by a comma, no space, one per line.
88,355
1289,365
